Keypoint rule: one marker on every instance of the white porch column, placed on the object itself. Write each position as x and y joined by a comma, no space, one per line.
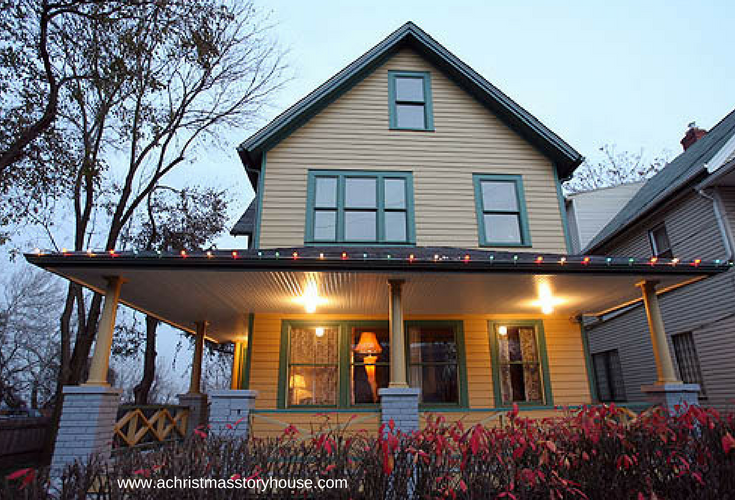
398,377
664,363
668,391
89,412
106,328
399,403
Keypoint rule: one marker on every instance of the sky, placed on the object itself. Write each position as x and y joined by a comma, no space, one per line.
632,74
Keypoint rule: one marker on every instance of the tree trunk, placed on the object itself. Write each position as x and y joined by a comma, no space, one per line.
143,389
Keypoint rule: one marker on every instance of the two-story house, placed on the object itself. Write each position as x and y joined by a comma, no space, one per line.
687,209
409,255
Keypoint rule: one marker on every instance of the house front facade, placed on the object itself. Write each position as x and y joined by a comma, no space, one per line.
408,254
686,209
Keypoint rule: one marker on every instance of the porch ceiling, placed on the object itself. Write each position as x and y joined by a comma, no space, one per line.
223,289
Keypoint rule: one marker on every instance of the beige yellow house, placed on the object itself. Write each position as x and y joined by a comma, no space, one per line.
408,254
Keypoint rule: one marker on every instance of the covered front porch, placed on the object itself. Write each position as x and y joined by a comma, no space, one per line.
371,335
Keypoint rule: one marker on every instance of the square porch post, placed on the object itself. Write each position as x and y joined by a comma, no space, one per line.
89,411
668,391
194,399
398,402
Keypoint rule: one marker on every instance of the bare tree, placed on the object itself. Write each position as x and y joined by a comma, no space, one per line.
29,358
198,68
614,168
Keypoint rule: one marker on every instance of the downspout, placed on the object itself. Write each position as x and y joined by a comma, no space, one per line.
719,209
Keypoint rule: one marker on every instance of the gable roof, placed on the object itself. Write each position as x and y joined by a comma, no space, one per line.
686,167
564,156
246,224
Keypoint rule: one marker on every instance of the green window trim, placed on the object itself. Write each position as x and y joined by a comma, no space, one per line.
392,101
339,209
517,181
343,382
543,360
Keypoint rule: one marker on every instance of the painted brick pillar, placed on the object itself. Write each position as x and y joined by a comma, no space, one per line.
198,411
400,404
233,408
87,425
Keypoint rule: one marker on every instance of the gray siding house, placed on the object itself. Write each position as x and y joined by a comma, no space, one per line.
685,211
590,211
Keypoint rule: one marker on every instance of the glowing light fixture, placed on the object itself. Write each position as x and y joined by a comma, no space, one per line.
370,346
546,299
310,298
319,331
503,330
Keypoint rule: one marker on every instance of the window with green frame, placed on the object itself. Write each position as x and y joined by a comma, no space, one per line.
502,218
409,100
343,364
519,363
359,207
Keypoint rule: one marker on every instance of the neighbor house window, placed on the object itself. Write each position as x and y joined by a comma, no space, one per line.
520,367
409,95
501,211
687,360
313,362
434,361
346,363
359,207
660,244
609,376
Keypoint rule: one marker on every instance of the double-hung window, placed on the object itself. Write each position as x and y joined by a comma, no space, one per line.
359,207
409,100
519,363
313,361
687,360
660,244
609,376
501,211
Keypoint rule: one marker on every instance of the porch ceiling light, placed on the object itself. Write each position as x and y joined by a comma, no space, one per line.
310,298
546,299
503,330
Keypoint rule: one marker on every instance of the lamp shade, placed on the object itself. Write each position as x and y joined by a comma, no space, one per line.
368,344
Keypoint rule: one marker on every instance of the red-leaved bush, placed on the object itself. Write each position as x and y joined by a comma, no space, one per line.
596,452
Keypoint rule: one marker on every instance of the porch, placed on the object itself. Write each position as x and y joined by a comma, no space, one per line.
383,334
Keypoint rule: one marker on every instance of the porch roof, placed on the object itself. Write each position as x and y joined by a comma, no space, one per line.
223,286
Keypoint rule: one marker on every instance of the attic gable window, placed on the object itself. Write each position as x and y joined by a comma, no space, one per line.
409,98
358,207
501,211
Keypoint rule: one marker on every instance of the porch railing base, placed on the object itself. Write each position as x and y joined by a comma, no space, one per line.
198,411
230,412
673,397
401,405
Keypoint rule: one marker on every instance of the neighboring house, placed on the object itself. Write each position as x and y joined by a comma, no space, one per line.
589,211
409,255
688,211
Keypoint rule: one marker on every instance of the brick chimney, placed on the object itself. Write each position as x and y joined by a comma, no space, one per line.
693,135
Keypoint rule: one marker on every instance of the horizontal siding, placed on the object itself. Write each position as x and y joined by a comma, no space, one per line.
727,195
690,224
705,308
563,340
273,424
352,133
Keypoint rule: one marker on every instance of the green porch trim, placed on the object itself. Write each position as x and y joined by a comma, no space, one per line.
591,378
341,175
562,209
428,106
458,326
245,373
543,359
517,180
259,194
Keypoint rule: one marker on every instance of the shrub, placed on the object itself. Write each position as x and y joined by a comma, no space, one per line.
595,452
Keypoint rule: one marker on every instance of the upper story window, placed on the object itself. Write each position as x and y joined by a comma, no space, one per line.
409,94
359,207
660,244
501,211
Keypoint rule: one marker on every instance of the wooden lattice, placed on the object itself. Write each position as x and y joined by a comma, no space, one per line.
134,428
